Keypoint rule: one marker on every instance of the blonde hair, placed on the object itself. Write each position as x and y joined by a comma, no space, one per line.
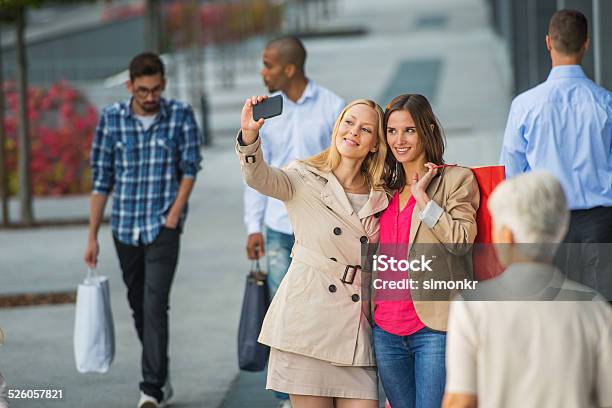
373,165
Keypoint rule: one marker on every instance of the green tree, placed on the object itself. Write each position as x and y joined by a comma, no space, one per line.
14,11
153,26
3,179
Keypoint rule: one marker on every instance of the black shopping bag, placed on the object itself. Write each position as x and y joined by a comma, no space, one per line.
253,356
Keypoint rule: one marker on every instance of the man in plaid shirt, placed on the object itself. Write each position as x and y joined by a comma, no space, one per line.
146,151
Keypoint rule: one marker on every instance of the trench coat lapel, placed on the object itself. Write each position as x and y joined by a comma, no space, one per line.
376,203
416,222
334,196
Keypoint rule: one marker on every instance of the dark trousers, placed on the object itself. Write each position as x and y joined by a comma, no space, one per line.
148,271
586,254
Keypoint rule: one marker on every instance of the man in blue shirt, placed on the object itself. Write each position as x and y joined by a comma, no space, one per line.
146,152
302,130
564,125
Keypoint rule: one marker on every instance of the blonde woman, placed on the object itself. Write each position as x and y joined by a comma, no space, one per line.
320,339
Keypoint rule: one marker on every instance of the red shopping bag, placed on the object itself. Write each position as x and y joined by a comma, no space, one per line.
486,265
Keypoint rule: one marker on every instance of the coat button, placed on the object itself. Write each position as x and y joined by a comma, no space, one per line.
332,288
363,239
333,259
337,231
355,298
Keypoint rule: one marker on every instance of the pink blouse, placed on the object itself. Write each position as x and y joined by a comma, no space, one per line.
395,311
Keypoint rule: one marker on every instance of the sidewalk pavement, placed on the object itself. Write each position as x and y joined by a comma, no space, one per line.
444,48
205,305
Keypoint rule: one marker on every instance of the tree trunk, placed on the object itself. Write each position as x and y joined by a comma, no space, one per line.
25,187
153,26
3,178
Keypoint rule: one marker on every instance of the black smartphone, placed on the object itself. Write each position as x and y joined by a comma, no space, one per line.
269,108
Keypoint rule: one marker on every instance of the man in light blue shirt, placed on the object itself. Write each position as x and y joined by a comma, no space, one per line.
302,130
564,125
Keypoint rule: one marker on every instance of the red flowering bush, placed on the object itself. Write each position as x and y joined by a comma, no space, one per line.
62,123
218,22
222,22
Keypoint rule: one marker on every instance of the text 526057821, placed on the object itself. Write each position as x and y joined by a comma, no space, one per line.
35,394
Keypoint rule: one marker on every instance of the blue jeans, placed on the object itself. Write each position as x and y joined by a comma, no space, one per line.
411,368
278,250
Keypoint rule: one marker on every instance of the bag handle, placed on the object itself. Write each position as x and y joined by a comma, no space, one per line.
255,267
91,274
256,274
439,166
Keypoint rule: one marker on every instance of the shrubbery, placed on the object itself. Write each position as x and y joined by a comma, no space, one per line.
62,124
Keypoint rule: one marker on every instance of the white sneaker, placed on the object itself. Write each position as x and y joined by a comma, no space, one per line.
168,391
284,404
147,401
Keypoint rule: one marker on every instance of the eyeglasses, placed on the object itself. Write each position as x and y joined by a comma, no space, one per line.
142,92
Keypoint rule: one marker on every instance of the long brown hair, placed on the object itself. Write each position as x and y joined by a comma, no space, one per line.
373,166
428,128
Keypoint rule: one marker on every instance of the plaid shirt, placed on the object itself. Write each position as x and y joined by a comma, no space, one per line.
143,168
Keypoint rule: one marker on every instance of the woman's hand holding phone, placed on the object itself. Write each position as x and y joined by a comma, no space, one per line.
248,126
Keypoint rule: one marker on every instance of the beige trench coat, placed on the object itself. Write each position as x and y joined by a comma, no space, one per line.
318,309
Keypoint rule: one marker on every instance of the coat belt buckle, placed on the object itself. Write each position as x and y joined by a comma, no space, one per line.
346,272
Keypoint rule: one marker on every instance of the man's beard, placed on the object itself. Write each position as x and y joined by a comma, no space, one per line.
150,107
271,88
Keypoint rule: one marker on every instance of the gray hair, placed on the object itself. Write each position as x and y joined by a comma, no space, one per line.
532,206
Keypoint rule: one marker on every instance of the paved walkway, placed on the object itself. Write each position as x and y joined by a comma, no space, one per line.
463,66
204,313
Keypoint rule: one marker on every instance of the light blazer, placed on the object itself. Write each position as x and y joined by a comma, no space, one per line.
448,243
314,313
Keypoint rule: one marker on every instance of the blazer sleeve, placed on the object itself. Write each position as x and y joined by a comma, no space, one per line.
456,227
268,180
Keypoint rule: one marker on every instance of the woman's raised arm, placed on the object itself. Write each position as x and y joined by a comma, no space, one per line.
257,174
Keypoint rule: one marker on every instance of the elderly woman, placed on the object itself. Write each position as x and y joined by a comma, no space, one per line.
320,338
524,347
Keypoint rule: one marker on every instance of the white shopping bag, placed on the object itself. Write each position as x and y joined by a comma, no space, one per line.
94,333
